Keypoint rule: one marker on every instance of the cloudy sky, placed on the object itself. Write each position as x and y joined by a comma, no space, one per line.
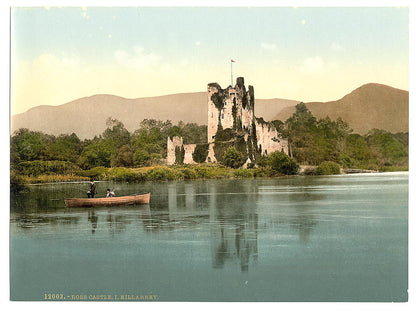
307,54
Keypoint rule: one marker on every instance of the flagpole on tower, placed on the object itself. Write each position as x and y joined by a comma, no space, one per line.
232,61
231,73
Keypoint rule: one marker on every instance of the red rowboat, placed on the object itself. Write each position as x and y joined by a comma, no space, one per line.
126,200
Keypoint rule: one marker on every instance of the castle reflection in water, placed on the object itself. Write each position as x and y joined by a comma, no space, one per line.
232,225
232,217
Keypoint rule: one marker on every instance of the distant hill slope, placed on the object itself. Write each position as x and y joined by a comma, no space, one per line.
86,116
370,106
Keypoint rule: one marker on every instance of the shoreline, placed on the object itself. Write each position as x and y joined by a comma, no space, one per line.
181,173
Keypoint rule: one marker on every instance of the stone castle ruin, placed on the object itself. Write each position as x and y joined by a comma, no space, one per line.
231,123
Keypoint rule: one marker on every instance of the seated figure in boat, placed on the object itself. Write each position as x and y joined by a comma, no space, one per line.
93,189
110,194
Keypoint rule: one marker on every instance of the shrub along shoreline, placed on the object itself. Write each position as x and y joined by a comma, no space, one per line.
154,173
178,172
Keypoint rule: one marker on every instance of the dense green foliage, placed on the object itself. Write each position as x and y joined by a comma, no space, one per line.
232,158
281,163
224,135
179,155
217,97
116,146
151,138
141,157
123,157
313,141
37,167
26,145
95,172
328,168
200,153
65,148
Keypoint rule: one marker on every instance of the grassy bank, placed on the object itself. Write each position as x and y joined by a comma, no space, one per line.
177,172
53,178
394,169
154,173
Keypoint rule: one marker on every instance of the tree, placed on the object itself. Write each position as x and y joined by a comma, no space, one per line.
328,168
390,150
123,157
193,133
302,119
232,158
280,163
65,148
313,141
358,150
97,153
300,130
200,153
151,136
279,125
141,157
116,132
27,145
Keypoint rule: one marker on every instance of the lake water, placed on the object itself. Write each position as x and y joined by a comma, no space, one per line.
331,238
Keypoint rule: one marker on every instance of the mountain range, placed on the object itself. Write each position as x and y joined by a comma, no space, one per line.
369,106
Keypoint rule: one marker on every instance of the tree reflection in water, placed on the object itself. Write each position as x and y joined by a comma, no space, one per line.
93,219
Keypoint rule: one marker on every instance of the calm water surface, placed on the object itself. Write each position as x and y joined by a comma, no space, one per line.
332,238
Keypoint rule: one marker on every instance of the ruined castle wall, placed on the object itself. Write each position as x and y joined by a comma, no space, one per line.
213,114
178,142
171,145
268,140
227,119
248,110
211,154
189,150
247,119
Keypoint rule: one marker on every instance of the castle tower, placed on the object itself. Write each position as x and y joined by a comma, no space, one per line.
231,123
231,108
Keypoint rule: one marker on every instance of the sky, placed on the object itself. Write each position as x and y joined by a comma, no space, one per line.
60,54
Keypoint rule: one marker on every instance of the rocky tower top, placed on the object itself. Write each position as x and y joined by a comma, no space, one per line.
231,108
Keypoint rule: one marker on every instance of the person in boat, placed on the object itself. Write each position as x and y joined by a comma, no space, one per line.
110,194
93,189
